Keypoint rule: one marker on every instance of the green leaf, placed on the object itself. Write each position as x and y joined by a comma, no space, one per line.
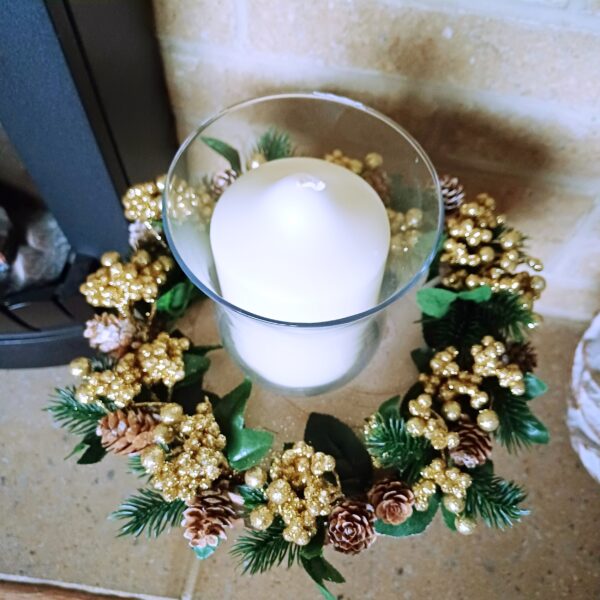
518,426
229,410
417,523
449,518
314,548
390,408
176,301
421,358
226,151
260,551
251,496
319,570
495,500
435,302
534,386
480,294
148,511
195,366
352,461
94,453
205,552
247,447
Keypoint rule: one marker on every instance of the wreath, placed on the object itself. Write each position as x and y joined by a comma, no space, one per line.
142,396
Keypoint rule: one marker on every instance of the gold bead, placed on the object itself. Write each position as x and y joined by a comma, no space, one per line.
416,426
537,283
163,434
453,440
451,410
488,420
261,518
109,258
373,160
152,458
79,367
279,491
171,413
414,218
464,525
453,504
255,477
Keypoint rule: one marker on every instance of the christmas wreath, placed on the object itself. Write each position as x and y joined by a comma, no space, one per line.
429,451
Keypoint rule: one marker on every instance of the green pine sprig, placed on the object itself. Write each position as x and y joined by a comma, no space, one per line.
495,500
72,415
390,444
148,511
135,466
260,551
518,427
503,316
275,144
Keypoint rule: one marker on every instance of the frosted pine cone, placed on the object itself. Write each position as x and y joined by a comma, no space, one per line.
392,500
522,355
109,333
127,432
221,181
453,193
474,446
209,514
350,527
140,235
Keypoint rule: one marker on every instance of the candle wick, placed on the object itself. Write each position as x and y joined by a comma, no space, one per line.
307,181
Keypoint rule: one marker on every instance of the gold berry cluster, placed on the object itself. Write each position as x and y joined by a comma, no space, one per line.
370,169
424,422
488,362
118,285
405,229
298,492
158,361
454,485
476,254
143,202
197,458
187,202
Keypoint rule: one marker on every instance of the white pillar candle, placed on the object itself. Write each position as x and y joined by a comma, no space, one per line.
305,241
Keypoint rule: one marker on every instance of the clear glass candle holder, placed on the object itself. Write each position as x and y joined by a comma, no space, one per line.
306,358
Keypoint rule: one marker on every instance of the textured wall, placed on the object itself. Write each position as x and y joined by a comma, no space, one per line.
509,88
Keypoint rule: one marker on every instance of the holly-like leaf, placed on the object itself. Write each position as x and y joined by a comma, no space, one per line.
245,447
390,408
175,302
195,366
252,497
205,552
480,294
94,451
534,386
320,571
417,523
314,548
449,518
352,461
229,153
421,358
435,302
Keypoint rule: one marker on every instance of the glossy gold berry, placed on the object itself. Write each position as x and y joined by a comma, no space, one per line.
261,518
255,477
488,420
464,525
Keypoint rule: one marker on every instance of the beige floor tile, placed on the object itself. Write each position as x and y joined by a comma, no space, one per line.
53,512
554,553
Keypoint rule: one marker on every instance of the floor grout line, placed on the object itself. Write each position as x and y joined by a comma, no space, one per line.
80,587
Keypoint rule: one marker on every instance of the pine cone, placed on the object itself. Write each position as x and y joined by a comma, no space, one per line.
522,355
209,514
109,333
379,181
453,192
126,432
392,500
350,527
474,447
221,181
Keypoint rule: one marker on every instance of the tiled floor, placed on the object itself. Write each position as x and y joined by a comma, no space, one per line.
53,513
